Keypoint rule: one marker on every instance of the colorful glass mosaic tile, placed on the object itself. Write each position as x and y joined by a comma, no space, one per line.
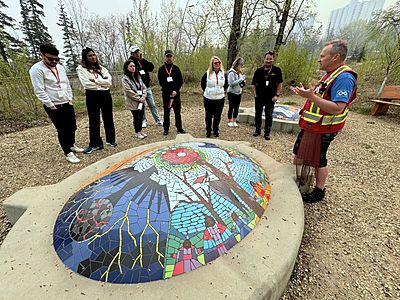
161,215
286,112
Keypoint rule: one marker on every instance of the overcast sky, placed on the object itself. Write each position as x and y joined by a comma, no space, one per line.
109,7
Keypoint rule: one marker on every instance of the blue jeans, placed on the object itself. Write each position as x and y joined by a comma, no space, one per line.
152,106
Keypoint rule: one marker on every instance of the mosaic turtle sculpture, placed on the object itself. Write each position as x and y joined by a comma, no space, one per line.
161,214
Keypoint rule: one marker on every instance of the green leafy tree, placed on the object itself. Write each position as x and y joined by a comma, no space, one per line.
32,26
68,36
7,42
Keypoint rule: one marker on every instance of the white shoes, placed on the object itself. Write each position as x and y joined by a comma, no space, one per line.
144,124
230,124
142,133
235,124
159,123
140,136
76,149
72,158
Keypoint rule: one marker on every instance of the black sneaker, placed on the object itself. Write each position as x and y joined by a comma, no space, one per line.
208,134
256,133
181,130
216,134
113,144
315,196
90,150
165,132
267,137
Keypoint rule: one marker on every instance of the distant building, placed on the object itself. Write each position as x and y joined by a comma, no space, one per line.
352,12
301,27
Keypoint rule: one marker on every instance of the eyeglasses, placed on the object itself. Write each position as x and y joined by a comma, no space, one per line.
57,59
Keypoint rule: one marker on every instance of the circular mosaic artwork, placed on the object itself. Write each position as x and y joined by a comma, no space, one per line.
163,214
286,112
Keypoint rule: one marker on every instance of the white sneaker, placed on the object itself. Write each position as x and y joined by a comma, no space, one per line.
142,133
230,124
72,158
139,136
76,149
159,123
144,124
235,124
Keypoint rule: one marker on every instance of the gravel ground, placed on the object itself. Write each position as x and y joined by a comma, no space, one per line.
351,243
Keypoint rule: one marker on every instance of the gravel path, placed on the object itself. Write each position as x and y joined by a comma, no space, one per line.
351,244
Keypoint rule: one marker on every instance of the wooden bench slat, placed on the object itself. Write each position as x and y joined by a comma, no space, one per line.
389,94
386,102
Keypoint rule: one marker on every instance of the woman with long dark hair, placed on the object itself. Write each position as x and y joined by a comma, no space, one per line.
96,80
135,96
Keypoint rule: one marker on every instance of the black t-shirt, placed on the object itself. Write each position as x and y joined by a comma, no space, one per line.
267,81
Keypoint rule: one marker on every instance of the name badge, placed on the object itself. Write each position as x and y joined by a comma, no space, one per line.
169,79
141,72
62,95
140,93
267,83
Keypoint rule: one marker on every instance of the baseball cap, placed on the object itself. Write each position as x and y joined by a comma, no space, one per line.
133,49
168,52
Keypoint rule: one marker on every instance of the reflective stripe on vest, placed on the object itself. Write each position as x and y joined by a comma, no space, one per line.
336,119
313,116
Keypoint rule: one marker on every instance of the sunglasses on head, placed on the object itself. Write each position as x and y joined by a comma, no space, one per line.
57,59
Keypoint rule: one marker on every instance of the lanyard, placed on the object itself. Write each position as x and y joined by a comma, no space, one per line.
140,65
216,76
166,70
269,71
56,74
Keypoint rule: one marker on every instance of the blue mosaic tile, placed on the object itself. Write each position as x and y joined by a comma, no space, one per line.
168,213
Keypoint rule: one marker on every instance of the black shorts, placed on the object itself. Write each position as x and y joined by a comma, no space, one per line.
326,139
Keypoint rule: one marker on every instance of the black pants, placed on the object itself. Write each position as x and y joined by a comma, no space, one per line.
177,111
64,120
213,110
97,101
267,105
234,103
137,119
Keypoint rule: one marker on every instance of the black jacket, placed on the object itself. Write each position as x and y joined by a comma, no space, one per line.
177,79
144,65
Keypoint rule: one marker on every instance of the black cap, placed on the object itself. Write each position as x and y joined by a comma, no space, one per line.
168,52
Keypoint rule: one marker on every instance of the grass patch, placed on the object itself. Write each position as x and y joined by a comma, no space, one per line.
365,110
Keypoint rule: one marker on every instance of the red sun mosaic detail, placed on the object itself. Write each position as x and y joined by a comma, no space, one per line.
180,156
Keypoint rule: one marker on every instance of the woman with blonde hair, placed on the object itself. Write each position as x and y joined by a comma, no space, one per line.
214,84
236,81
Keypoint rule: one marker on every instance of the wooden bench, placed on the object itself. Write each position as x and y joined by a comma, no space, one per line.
390,93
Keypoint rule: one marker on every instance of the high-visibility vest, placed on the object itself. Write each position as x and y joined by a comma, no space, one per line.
313,118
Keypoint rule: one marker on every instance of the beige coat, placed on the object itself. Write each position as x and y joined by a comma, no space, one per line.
131,93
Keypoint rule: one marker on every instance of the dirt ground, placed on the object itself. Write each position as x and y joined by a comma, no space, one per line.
351,243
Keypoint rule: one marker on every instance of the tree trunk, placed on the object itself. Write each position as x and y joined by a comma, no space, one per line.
282,25
233,47
231,184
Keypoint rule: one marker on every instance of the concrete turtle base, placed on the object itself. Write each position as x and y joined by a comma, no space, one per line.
257,268
247,115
